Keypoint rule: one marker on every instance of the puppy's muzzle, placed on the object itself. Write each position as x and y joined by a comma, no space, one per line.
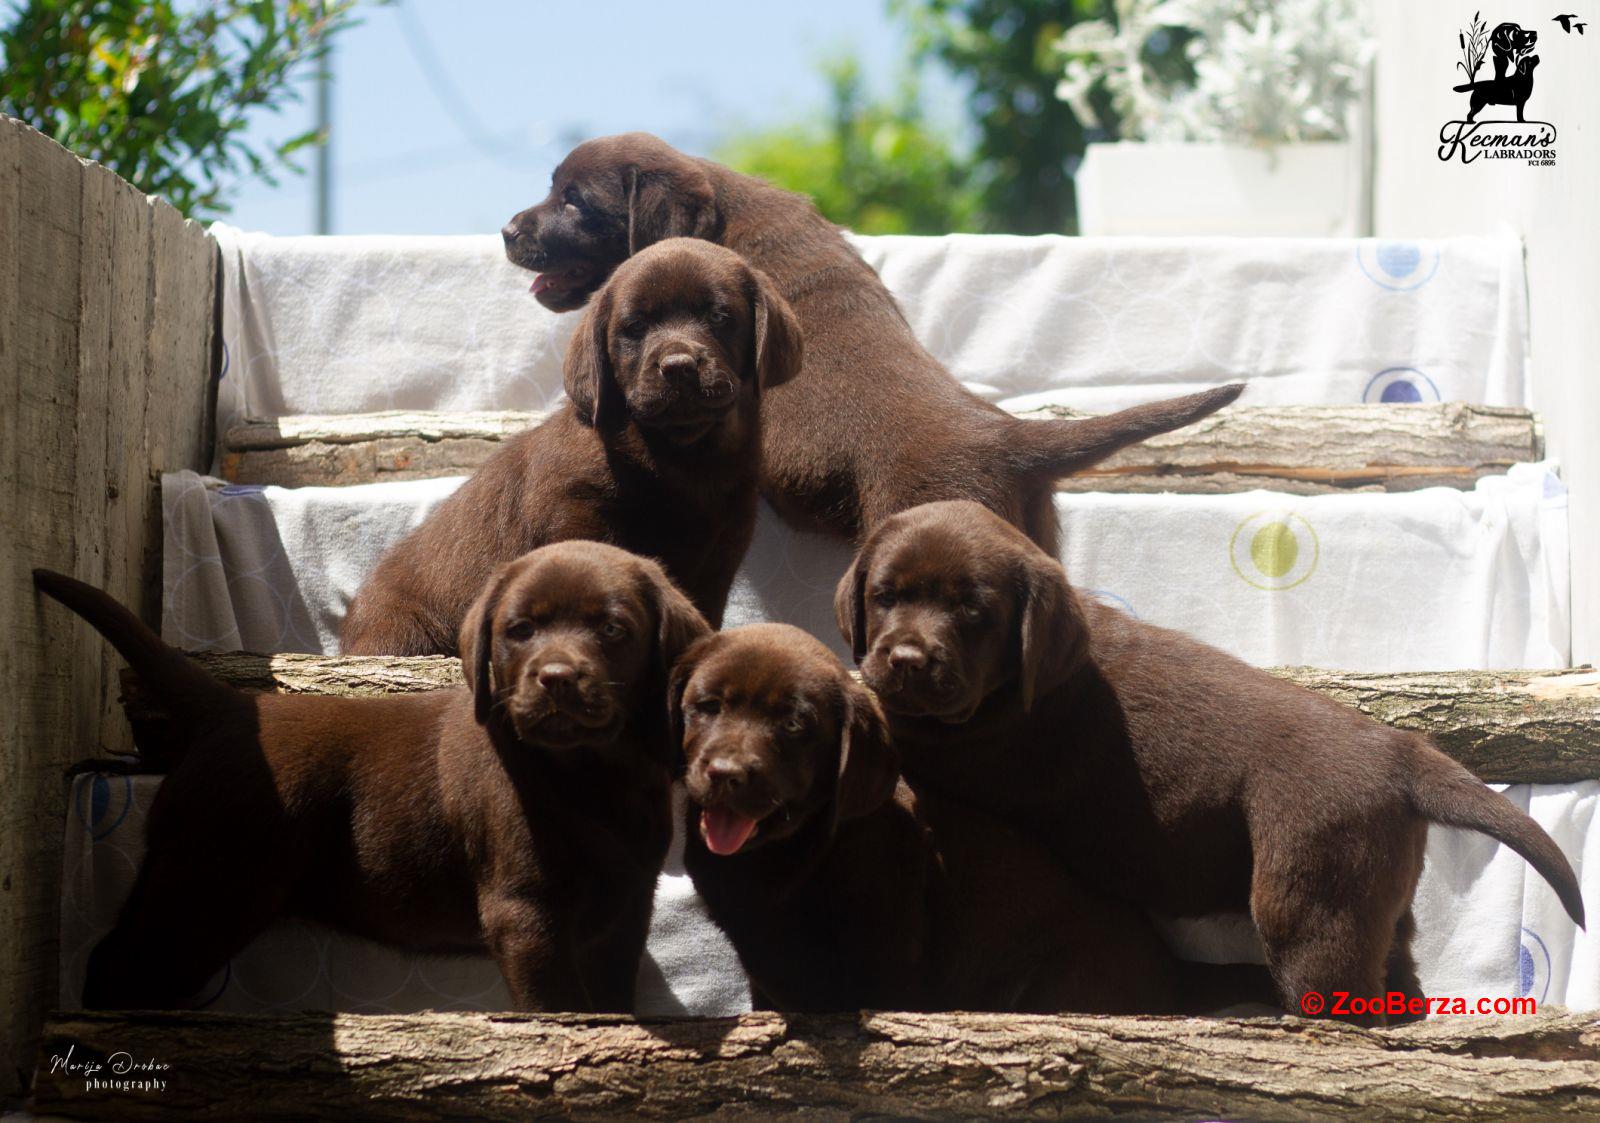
562,683
734,798
690,395
560,702
913,676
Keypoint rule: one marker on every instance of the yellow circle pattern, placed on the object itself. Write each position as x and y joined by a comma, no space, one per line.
1274,549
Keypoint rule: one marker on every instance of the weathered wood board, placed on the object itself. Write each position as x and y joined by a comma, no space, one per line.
106,325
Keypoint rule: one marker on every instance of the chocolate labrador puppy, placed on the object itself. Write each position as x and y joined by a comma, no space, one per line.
877,424
1159,769
657,451
842,888
528,813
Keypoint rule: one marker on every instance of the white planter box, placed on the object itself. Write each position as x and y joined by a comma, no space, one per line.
1312,190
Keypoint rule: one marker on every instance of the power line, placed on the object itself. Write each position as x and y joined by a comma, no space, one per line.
324,190
502,150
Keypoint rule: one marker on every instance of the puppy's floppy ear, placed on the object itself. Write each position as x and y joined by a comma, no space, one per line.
869,767
669,203
778,345
850,602
590,379
476,643
678,621
1054,629
677,682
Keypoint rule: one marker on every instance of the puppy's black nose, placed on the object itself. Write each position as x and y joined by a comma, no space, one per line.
726,775
559,679
510,233
907,657
679,367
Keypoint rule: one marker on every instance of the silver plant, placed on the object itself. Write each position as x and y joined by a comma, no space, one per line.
1266,71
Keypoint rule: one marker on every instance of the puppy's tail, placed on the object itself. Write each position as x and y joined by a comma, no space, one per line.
164,669
1058,448
1442,791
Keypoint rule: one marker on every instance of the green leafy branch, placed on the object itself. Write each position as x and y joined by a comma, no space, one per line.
162,93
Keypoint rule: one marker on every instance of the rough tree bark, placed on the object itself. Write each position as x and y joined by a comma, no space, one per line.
1507,726
1301,449
504,1067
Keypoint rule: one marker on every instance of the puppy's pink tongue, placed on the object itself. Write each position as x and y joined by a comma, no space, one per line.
725,831
540,283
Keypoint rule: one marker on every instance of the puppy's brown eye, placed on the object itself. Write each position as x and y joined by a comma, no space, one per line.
710,707
613,629
972,610
795,726
519,631
572,199
634,327
884,598
717,317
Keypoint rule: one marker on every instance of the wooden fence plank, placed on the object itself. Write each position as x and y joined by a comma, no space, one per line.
1302,449
49,701
127,457
19,658
77,301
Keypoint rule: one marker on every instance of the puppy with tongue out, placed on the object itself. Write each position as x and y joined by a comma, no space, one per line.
842,889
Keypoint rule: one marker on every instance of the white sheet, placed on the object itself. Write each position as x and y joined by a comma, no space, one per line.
360,324
1427,580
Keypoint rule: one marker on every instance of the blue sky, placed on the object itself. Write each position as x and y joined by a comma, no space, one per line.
448,117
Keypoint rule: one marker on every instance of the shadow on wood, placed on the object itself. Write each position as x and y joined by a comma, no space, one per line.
503,1067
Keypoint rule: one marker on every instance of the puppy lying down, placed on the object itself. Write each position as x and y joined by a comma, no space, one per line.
527,814
1159,770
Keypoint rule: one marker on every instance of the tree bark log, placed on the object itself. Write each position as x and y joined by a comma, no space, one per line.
1506,726
919,1066
1300,449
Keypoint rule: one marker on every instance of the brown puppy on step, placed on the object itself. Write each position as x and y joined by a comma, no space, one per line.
528,813
877,424
1156,768
657,451
843,889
